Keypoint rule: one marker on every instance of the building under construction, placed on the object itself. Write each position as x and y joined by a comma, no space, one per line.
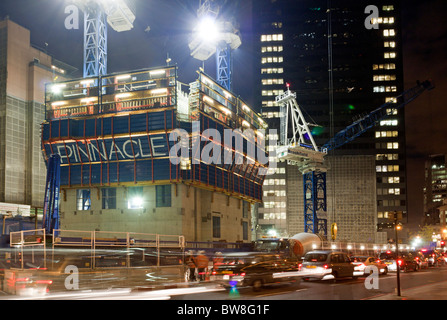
118,170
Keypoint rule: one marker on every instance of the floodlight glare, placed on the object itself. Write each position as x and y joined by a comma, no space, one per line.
136,203
208,30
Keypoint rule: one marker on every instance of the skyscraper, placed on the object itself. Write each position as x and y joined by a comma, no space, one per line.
24,70
337,78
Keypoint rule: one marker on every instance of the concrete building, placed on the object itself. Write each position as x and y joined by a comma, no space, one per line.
351,199
24,70
365,71
119,170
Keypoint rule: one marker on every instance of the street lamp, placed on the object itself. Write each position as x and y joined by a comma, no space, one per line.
395,217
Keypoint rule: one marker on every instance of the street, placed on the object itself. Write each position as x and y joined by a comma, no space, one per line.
343,289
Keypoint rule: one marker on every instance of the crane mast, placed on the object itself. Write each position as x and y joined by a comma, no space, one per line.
98,14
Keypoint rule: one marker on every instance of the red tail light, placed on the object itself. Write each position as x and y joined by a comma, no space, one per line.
326,266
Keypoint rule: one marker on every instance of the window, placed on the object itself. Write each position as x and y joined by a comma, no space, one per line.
244,230
163,196
109,198
389,32
271,37
216,227
83,200
135,198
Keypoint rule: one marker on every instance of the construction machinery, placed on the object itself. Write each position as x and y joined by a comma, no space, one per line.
51,219
215,36
97,14
302,151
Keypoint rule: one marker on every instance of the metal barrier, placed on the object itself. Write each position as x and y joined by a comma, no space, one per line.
100,240
21,240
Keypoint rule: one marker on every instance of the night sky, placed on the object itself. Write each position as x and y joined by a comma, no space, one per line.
171,23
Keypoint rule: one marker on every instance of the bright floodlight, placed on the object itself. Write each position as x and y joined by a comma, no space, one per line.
136,203
208,30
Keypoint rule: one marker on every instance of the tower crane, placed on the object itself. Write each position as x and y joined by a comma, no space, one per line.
97,14
215,36
302,151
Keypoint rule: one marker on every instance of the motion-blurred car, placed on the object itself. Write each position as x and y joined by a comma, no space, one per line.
405,262
420,260
255,270
325,265
362,262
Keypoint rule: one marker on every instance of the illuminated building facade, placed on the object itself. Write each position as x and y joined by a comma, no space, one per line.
337,79
435,191
123,168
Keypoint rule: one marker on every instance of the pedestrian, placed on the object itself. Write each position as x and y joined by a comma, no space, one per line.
191,264
202,264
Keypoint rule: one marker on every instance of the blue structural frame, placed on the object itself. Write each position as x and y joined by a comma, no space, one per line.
224,63
95,41
51,218
315,202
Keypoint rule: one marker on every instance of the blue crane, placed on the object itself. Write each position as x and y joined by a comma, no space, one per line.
51,220
302,151
98,14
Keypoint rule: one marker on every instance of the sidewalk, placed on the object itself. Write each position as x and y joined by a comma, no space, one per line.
432,291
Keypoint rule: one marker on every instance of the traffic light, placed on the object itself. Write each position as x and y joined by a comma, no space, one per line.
442,243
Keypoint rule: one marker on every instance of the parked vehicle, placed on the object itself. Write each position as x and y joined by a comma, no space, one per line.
255,270
362,262
325,265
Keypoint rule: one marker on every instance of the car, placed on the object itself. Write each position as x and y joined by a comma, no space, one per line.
362,262
255,270
431,257
324,265
405,262
421,260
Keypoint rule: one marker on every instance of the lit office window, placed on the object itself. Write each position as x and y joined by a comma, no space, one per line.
272,49
267,82
265,60
389,55
83,200
389,33
272,70
388,123
271,37
389,44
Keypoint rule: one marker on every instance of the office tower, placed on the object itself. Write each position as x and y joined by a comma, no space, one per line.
435,191
24,70
337,78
